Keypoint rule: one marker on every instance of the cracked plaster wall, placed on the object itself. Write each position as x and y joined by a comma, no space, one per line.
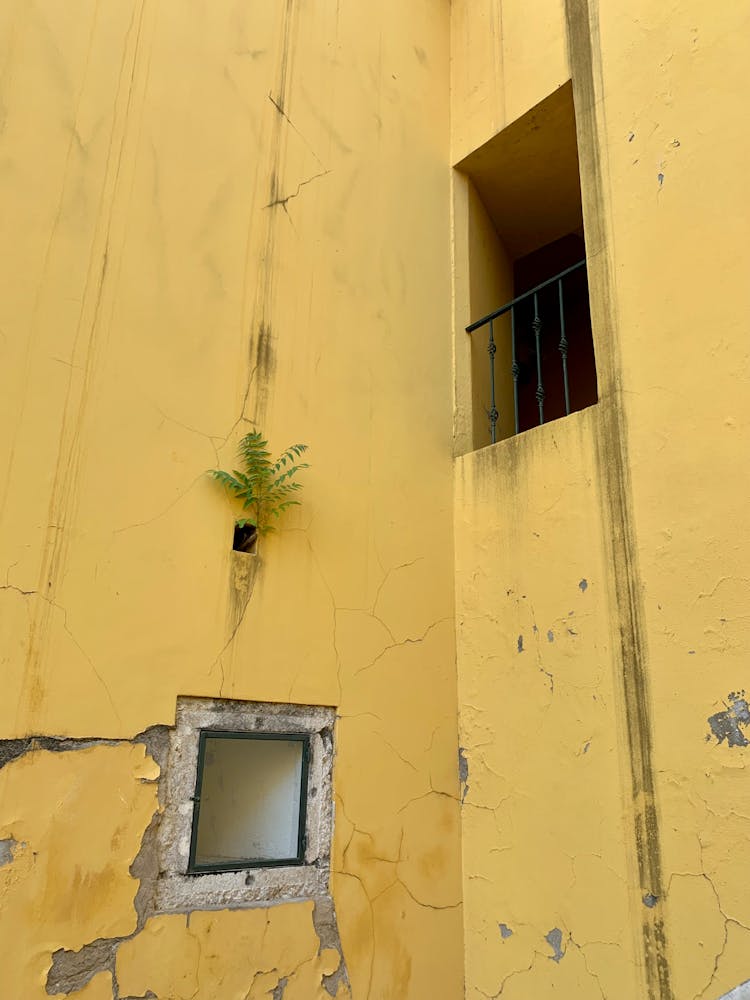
222,214
669,132
545,862
643,497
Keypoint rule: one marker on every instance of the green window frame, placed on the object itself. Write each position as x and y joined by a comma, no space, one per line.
195,868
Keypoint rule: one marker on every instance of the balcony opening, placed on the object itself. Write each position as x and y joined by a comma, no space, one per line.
531,345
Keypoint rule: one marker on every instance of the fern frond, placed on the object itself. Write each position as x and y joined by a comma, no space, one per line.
265,487
242,522
291,471
283,506
294,451
226,479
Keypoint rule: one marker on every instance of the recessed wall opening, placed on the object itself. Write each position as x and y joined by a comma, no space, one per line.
250,801
532,352
245,538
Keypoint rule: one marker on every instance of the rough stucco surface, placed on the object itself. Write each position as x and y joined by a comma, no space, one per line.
544,855
220,214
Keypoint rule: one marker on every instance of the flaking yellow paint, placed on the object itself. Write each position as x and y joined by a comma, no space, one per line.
77,818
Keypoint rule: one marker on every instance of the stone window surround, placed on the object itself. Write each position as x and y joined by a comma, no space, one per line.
176,891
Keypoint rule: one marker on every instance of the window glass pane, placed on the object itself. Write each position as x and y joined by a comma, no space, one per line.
249,800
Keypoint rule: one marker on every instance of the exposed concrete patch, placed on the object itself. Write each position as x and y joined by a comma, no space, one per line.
554,940
326,927
505,931
741,992
72,970
278,992
152,738
7,850
11,750
650,900
463,773
583,585
519,644
726,725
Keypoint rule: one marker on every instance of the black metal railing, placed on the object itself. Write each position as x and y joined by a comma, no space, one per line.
531,297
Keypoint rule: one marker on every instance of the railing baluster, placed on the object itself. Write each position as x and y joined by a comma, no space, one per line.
515,368
532,293
491,348
537,327
563,346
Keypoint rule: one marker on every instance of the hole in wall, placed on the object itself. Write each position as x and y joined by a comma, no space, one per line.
245,538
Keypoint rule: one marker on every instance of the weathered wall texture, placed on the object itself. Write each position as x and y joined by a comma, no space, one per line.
544,855
678,248
604,821
215,214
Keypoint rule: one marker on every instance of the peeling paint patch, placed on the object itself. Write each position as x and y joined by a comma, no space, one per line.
7,850
583,585
650,900
660,178
520,644
463,772
726,725
550,635
554,940
505,931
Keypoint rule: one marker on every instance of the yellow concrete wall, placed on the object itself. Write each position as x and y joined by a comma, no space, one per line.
506,56
643,497
544,845
676,144
217,214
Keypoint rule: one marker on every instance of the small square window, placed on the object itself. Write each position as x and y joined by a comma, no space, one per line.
250,801
248,805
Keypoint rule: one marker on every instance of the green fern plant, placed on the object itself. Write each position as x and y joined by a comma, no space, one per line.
266,487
